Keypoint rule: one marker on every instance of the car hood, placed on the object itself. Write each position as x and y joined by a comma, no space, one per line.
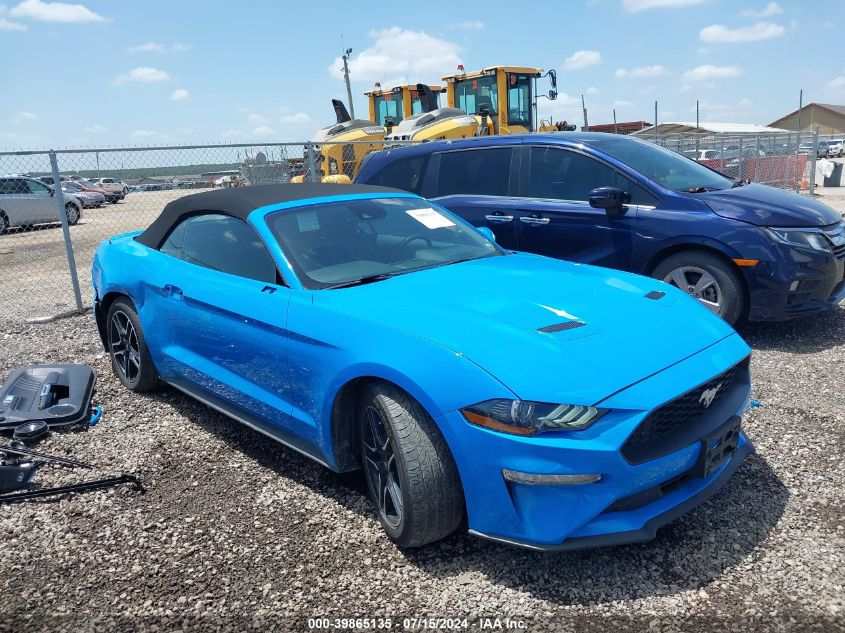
490,310
768,206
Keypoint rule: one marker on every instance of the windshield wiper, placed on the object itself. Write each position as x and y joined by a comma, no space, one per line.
367,279
740,182
700,189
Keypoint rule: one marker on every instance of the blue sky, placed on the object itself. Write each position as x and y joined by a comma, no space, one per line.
108,73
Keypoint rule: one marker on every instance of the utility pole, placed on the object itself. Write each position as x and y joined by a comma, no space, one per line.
800,107
697,119
615,129
655,117
346,55
584,109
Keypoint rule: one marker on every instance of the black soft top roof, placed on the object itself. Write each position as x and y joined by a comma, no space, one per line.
241,201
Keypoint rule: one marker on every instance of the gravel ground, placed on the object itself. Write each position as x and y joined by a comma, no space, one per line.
235,532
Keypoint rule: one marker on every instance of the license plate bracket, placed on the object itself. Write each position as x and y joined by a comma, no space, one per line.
718,447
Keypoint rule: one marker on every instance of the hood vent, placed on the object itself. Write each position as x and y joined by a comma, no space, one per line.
560,327
655,295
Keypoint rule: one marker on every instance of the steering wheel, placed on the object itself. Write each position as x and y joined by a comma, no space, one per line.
408,240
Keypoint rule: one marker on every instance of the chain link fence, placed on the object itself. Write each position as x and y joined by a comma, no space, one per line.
48,235
786,160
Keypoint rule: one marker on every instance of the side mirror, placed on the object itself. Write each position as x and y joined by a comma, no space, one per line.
611,199
486,233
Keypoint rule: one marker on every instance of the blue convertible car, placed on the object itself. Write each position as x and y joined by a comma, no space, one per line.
554,405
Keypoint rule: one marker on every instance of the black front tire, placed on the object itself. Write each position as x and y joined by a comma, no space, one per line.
135,370
429,495
73,214
4,223
729,282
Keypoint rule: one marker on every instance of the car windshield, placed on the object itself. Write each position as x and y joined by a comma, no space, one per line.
664,166
358,241
86,183
70,186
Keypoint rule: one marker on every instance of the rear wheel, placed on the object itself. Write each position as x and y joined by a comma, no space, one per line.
130,358
410,473
4,223
708,278
73,213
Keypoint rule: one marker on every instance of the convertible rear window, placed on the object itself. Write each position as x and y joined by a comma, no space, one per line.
340,243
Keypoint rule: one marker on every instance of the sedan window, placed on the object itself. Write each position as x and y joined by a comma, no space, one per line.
222,243
564,175
358,241
480,171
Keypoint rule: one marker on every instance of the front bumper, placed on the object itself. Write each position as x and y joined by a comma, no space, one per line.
630,501
774,294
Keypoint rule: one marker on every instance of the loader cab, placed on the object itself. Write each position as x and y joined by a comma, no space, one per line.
503,96
391,106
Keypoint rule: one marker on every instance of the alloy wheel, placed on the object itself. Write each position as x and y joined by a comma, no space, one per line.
123,342
72,214
381,468
698,283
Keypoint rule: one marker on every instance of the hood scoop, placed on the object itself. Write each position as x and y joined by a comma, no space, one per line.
655,295
560,327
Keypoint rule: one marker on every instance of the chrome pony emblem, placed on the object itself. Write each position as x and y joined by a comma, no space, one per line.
708,395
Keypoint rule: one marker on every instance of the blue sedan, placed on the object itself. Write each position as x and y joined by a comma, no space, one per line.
552,404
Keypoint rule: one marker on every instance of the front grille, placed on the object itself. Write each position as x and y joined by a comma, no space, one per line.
836,235
685,419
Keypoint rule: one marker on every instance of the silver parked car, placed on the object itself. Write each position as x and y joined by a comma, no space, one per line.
25,201
88,198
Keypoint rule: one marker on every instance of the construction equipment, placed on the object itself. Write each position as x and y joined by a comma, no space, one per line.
494,100
390,106
341,147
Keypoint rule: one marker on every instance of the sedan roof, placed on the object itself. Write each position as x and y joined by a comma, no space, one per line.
241,201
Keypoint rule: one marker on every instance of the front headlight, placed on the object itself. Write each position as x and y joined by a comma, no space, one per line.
529,418
799,237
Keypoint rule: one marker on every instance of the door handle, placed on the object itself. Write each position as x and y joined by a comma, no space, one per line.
172,290
527,219
498,218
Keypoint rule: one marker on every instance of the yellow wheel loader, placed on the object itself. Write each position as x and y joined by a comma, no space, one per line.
495,100
390,106
336,153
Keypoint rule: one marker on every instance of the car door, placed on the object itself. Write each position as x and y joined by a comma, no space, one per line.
555,218
477,185
40,202
222,312
13,202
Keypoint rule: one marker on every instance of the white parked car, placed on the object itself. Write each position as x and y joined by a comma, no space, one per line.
836,147
25,201
114,185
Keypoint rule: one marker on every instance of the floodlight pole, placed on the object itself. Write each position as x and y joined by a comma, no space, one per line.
346,55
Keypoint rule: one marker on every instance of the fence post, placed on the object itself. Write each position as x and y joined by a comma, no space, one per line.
813,158
60,204
313,176
757,159
740,158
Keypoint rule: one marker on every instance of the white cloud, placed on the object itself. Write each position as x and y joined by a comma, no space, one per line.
582,59
143,134
724,111
592,90
470,25
148,47
642,71
157,47
293,118
180,94
55,12
23,117
263,130
622,104
634,6
97,128
400,52
837,82
142,74
233,134
721,34
773,8
257,119
709,72
8,25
